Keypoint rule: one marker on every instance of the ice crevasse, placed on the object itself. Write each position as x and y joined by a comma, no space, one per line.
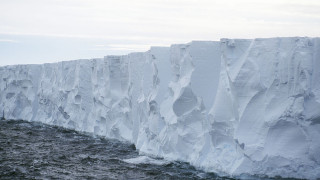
235,106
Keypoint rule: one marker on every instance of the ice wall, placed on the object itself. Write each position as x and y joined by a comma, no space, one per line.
268,100
233,107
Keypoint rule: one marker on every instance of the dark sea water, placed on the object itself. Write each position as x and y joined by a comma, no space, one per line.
30,150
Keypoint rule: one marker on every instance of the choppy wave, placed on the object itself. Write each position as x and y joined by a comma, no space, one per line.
31,150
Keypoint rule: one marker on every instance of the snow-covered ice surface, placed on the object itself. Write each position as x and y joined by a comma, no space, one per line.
236,107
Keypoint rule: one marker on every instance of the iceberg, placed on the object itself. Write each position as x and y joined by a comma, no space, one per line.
234,106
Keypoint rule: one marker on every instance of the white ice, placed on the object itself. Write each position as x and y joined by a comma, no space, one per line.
146,160
232,107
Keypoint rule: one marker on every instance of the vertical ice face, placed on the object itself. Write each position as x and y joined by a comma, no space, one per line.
205,78
119,125
149,83
266,90
18,92
234,106
195,74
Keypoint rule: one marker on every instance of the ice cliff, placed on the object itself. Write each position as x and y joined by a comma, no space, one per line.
233,107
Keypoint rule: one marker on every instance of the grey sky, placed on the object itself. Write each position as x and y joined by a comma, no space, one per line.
37,31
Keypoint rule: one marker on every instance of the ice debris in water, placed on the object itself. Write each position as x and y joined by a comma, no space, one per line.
146,160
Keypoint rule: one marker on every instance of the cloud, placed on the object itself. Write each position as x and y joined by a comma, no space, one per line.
9,41
74,29
159,21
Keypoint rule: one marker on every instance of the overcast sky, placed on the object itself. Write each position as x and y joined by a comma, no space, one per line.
38,31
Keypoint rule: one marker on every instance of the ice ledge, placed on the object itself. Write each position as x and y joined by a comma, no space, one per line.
238,106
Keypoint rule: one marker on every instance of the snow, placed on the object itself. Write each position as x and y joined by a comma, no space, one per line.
236,107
